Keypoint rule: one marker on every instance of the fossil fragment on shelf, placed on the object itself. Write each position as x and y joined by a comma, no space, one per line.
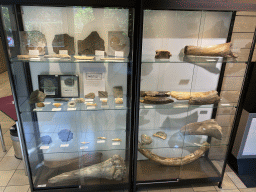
112,169
155,93
116,139
62,99
63,42
90,96
84,57
71,104
80,100
91,104
57,104
161,135
176,161
64,56
163,54
157,100
145,139
27,56
207,99
118,92
40,105
179,95
102,138
221,50
103,94
209,127
36,97
119,101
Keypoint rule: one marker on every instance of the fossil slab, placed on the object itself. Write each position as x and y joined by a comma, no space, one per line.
112,169
90,44
163,54
209,127
118,92
157,100
36,97
103,94
161,135
187,95
63,42
90,96
221,50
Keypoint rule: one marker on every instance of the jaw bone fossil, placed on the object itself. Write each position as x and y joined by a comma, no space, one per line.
209,127
176,161
113,169
221,50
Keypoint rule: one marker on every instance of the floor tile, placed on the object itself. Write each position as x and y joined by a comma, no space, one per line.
2,189
236,180
182,190
159,190
206,188
227,183
248,190
17,188
2,154
9,163
4,130
21,165
7,140
10,153
19,178
227,190
29,189
5,177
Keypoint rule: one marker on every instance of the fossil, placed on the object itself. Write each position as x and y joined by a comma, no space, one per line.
209,127
161,135
91,104
145,139
118,92
71,104
187,95
157,100
103,94
61,99
116,139
163,54
221,50
119,100
57,104
27,56
63,42
90,96
40,105
84,57
209,99
37,97
154,93
80,100
103,138
57,56
112,169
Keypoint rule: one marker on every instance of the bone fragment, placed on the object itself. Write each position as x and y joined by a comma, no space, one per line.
90,96
221,50
40,105
111,169
157,100
119,101
116,139
91,104
208,99
57,104
161,135
209,127
27,56
187,95
61,99
154,93
163,54
79,100
83,58
103,138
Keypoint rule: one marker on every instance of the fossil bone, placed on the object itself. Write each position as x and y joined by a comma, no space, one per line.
61,99
84,57
91,104
221,50
209,127
157,100
163,54
154,93
187,95
116,139
118,92
161,135
103,138
79,100
27,56
71,104
111,169
208,99
103,94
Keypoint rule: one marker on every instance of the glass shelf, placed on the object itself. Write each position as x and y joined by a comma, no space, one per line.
190,59
98,59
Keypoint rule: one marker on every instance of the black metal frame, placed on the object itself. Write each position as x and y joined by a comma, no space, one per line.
134,74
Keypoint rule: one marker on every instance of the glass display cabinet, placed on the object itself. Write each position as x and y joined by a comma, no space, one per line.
112,96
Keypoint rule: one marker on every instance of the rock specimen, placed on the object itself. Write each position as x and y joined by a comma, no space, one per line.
161,135
36,97
103,94
209,127
119,101
61,99
33,40
154,93
46,140
83,58
112,169
80,100
118,92
63,42
157,100
90,96
90,44
145,139
205,100
71,104
57,104
65,135
163,54
221,50
40,105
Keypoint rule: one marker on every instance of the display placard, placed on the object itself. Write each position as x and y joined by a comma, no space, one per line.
49,84
69,86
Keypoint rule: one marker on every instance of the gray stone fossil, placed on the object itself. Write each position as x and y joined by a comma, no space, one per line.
63,42
112,169
209,127
103,94
157,100
36,97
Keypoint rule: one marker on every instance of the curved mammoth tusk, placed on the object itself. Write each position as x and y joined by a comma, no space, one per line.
113,169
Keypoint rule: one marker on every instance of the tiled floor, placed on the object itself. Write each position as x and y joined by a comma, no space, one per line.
13,178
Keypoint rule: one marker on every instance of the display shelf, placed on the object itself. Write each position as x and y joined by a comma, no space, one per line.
49,107
192,59
98,59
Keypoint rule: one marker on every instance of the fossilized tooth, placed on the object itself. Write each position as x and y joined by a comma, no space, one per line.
90,44
161,135
84,57
176,161
112,169
118,92
156,93
163,54
40,105
209,127
103,94
71,104
157,100
80,100
61,99
57,104
103,138
119,100
145,139
91,104
36,97
116,139
187,95
82,161
90,96
63,42
221,50
205,100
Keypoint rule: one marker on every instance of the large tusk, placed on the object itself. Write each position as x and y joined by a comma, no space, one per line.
221,50
113,169
209,127
187,95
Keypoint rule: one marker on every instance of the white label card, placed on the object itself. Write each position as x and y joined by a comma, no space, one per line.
91,107
71,109
44,147
89,100
101,141
63,52
116,143
38,109
119,53
64,145
119,106
99,53
84,147
148,106
104,106
43,185
56,109
47,103
103,99
93,76
33,52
